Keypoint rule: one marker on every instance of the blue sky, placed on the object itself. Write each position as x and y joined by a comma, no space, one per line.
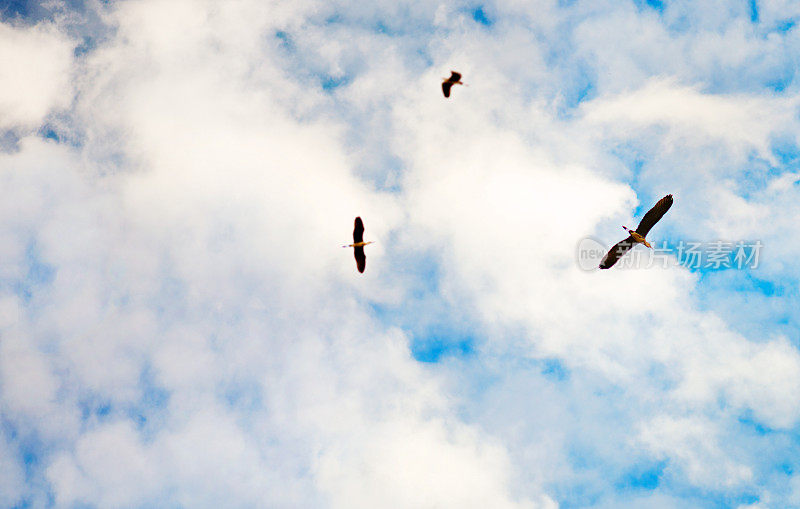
179,326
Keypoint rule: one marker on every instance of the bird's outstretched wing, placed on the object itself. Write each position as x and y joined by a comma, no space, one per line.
454,77
654,214
446,88
616,252
358,231
361,258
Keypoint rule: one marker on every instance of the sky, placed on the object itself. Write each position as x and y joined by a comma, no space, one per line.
179,326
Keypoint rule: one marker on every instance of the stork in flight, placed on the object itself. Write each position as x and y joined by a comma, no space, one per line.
637,236
358,245
454,79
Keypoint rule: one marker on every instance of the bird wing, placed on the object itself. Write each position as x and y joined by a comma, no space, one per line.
654,214
616,252
446,88
454,76
358,231
361,258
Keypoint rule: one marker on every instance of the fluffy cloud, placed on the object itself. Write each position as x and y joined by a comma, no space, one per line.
744,123
35,76
180,327
193,320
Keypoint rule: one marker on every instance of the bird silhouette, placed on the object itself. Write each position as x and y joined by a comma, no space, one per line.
358,245
637,236
454,79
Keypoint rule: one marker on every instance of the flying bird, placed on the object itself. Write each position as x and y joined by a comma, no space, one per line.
358,245
637,236
454,79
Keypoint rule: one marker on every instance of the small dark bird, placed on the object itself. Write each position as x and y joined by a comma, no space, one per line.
454,79
637,236
358,245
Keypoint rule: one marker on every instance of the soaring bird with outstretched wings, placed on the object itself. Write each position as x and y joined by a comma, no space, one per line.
447,84
637,236
358,245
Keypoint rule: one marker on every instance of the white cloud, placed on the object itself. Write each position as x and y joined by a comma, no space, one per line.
744,123
110,469
35,75
694,445
12,476
206,265
201,323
